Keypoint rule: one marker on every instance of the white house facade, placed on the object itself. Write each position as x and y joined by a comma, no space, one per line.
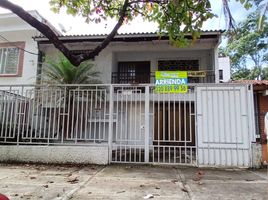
125,119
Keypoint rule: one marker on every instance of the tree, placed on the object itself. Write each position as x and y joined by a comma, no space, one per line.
174,17
248,45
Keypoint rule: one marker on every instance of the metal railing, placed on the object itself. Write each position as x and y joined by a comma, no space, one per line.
60,114
135,78
138,124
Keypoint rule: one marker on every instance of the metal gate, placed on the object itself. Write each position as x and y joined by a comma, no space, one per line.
225,118
152,128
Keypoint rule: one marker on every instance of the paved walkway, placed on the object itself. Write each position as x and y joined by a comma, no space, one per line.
130,182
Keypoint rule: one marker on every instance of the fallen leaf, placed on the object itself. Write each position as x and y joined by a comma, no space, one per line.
197,178
200,183
121,192
174,181
72,179
148,196
45,186
32,177
141,185
201,173
157,188
184,189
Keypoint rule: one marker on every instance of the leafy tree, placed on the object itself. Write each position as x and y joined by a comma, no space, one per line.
248,45
174,17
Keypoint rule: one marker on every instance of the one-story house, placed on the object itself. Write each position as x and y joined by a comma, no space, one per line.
127,119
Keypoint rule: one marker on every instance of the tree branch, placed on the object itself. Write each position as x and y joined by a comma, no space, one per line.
54,39
43,28
109,38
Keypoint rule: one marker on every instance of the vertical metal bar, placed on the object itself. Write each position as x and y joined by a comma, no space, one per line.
147,123
100,110
96,116
82,118
18,136
45,117
91,115
8,122
135,126
174,118
158,127
86,113
54,114
196,124
110,138
185,127
169,117
104,115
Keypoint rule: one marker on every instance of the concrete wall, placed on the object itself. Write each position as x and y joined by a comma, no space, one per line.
256,155
55,154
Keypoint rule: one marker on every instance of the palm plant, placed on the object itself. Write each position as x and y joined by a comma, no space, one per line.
63,72
62,75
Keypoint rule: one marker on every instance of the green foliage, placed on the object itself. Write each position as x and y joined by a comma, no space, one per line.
246,45
174,17
63,72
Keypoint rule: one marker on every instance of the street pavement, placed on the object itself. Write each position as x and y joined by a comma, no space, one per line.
64,182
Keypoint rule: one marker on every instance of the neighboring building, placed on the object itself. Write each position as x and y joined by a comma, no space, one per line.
224,69
16,65
260,88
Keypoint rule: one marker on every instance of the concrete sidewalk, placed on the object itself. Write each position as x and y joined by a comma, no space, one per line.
130,182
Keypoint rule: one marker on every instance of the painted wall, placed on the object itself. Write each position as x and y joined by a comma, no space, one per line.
15,29
224,64
152,51
29,62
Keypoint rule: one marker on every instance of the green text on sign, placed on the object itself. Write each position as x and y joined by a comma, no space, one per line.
171,82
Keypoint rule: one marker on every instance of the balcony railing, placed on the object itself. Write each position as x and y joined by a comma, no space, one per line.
130,77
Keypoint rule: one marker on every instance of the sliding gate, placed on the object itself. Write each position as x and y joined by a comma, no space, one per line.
152,128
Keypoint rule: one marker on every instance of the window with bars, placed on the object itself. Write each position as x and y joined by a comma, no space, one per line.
132,72
11,58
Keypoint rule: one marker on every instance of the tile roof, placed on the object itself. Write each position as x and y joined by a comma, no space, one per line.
253,82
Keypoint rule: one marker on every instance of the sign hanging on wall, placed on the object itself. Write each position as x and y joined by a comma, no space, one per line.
171,81
200,74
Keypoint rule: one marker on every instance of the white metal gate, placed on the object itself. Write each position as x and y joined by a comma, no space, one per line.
225,125
152,128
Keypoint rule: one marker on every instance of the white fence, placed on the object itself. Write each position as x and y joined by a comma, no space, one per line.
210,125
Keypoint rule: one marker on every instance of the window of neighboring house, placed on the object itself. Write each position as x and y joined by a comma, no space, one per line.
11,59
221,74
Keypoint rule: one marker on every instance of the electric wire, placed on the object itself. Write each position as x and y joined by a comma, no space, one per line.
11,44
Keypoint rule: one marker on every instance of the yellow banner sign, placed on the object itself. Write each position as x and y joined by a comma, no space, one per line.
197,74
